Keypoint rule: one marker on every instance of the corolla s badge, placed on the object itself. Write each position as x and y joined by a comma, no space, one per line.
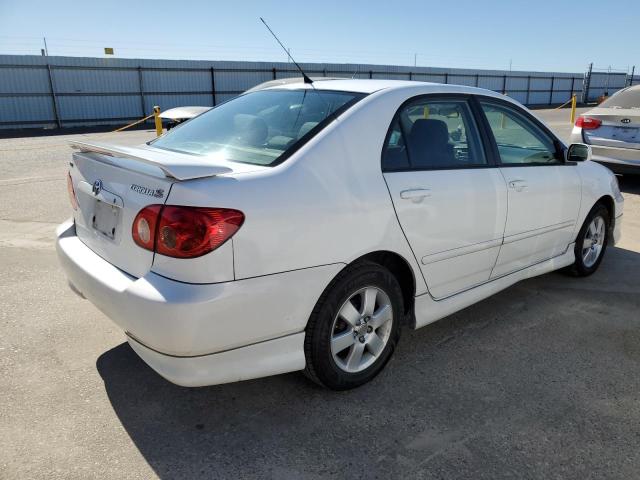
626,120
97,187
157,193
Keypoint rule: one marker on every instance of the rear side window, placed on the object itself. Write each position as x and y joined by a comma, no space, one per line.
261,127
433,134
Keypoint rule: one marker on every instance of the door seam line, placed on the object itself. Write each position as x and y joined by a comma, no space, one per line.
506,218
395,212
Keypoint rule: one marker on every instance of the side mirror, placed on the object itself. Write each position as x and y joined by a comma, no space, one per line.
578,152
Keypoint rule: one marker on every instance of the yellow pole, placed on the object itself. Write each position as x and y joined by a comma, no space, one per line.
158,120
573,109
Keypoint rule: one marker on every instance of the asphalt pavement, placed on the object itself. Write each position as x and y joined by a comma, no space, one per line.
538,381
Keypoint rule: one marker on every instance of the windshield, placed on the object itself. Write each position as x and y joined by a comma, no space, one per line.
261,127
628,98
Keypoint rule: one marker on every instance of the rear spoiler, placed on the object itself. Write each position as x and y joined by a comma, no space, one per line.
181,166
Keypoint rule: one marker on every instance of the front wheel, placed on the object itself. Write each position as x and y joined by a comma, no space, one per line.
591,242
354,327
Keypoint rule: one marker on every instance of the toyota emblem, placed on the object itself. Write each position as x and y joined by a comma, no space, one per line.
97,187
626,120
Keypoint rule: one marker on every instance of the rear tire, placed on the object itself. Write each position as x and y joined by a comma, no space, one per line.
354,327
591,242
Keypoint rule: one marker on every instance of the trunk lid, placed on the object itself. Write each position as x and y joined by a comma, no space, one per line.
113,183
620,128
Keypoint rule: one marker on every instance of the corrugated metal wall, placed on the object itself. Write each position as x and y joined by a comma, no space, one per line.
606,84
40,91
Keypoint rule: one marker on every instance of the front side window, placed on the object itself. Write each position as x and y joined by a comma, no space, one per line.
519,140
433,134
259,127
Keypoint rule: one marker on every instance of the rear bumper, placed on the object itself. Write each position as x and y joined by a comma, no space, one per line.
622,167
284,354
193,333
619,160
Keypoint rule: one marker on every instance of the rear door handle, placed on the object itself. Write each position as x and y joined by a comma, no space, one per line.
518,185
415,194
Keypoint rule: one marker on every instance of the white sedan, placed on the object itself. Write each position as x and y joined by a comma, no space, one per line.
298,227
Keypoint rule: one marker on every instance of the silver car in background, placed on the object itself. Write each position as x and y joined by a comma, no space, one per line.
613,131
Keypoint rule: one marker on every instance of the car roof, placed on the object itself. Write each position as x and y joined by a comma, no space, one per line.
374,85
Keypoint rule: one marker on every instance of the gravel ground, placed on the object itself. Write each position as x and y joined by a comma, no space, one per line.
538,381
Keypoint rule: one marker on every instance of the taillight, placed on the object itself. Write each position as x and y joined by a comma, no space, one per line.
588,123
72,192
144,227
184,232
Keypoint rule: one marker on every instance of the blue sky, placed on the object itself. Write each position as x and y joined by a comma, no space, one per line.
531,35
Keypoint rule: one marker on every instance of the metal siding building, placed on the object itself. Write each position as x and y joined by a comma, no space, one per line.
38,91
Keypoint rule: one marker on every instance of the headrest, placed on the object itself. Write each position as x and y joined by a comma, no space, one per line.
250,128
430,130
305,128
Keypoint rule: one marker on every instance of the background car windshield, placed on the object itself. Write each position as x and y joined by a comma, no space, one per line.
259,127
629,98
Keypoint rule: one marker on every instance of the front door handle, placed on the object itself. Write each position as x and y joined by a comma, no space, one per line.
415,194
518,185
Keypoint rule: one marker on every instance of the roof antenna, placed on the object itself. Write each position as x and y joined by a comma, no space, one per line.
305,78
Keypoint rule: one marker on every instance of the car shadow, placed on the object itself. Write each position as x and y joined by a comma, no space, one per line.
529,358
629,183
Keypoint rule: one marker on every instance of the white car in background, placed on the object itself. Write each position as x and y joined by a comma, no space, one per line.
613,131
175,116
298,227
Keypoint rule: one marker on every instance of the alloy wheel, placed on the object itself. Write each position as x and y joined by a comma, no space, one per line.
361,329
593,242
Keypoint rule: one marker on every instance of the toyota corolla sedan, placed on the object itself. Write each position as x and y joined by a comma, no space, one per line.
298,227
613,131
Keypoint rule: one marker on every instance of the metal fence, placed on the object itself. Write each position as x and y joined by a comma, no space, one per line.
73,91
605,83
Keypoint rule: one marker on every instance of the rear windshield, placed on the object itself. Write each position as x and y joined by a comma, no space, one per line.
261,128
629,98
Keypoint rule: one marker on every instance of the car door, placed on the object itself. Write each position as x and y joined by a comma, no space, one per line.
544,190
449,199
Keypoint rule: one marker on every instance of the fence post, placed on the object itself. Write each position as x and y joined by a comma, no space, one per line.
54,99
141,85
157,120
410,75
370,74
477,79
504,84
528,89
213,86
324,72
587,84
573,84
446,77
553,81
633,72
273,70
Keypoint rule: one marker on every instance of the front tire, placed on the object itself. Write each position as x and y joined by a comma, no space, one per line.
591,242
354,328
